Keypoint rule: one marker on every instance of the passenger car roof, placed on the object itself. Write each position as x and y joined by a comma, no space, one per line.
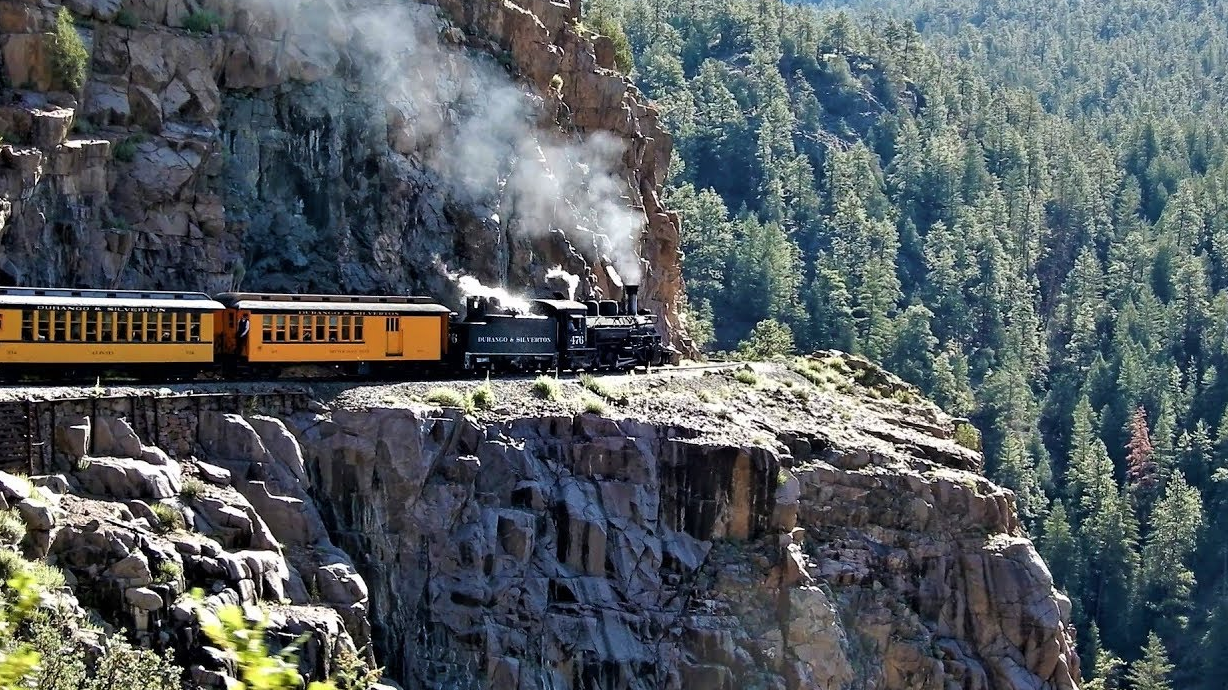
381,304
64,298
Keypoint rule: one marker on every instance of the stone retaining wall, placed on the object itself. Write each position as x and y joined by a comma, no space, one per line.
28,428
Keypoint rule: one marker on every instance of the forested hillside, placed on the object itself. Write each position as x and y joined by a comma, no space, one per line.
1022,208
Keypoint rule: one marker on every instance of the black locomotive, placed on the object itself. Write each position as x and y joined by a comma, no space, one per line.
558,334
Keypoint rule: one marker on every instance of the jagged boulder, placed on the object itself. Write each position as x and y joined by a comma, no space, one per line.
228,516
816,642
282,446
14,489
231,438
124,478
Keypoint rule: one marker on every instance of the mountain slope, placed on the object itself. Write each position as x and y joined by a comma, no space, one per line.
1017,207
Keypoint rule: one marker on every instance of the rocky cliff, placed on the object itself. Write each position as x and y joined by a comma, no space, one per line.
327,145
813,525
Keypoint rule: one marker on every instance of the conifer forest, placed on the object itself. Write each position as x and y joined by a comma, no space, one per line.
1020,207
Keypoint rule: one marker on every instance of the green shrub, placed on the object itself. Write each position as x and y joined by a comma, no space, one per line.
445,397
81,125
606,25
64,662
192,487
746,376
12,565
483,397
168,572
69,57
594,406
61,661
127,19
243,641
27,486
352,673
125,666
19,660
769,338
169,517
42,647
596,385
546,388
906,396
46,576
201,21
829,373
12,528
967,436
126,150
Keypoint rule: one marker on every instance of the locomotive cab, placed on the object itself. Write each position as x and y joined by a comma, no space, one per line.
572,318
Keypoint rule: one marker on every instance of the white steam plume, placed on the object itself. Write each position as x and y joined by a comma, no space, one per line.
482,130
472,287
572,280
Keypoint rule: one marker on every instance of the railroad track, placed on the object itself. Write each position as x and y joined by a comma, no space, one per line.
137,384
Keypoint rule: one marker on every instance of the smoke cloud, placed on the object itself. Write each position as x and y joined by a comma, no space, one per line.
572,280
472,287
485,142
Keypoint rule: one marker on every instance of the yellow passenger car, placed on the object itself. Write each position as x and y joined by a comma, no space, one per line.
331,329
79,329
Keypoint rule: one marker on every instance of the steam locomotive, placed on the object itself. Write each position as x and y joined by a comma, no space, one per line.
59,334
558,333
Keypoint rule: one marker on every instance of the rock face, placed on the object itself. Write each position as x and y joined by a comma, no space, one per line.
132,537
574,551
704,534
303,145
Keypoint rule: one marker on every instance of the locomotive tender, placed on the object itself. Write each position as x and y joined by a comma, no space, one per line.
57,334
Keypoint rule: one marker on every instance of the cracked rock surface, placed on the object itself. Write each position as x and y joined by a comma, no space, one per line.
806,524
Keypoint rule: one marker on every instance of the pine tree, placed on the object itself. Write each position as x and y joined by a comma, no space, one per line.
950,387
911,352
1068,248
769,338
1083,464
1167,579
1151,672
1214,646
1016,470
1141,468
1060,549
831,310
764,274
1105,671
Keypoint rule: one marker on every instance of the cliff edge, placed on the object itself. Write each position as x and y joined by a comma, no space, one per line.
806,524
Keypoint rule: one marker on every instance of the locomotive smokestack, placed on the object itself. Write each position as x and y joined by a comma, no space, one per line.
633,299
